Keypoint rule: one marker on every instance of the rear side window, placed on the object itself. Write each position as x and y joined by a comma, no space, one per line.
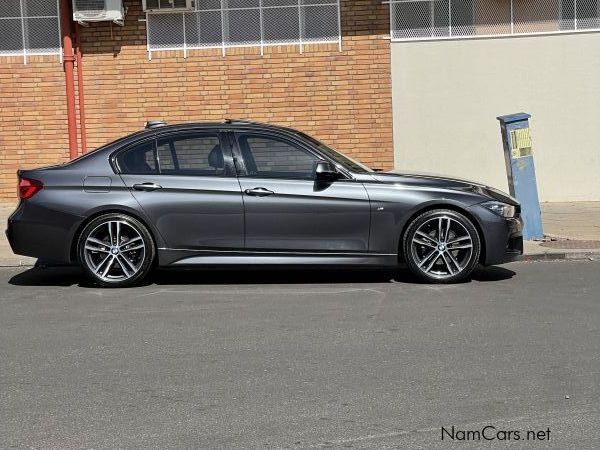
138,160
196,154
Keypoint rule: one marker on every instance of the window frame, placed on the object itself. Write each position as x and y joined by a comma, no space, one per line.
229,171
303,6
396,32
575,20
25,51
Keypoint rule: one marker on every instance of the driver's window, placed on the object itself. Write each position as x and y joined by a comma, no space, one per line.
271,157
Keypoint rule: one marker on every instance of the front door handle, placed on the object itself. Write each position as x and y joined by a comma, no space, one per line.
147,187
259,192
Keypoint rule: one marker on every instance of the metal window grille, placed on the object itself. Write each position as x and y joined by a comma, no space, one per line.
29,27
443,19
245,23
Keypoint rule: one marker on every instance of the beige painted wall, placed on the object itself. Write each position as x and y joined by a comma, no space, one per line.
447,94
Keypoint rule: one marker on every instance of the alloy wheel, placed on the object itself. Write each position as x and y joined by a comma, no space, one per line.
442,247
114,251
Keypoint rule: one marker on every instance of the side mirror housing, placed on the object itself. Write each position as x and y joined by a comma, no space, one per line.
325,171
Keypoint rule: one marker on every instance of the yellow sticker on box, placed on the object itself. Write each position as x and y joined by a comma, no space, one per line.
521,143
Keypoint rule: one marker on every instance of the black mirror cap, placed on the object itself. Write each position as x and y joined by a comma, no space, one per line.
326,171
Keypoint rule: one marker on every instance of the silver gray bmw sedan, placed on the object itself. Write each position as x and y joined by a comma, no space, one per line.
245,193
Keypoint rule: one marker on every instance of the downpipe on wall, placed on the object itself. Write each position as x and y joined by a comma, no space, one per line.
82,131
66,25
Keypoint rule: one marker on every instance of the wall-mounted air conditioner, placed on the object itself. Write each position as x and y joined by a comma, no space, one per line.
98,11
168,5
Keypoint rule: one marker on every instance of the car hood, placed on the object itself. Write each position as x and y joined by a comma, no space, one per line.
444,182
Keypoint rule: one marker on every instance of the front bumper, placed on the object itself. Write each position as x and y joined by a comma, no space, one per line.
503,237
514,243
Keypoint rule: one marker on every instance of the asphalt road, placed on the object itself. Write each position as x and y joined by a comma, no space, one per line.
236,359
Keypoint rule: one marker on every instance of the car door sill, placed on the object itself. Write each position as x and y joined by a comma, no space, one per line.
180,257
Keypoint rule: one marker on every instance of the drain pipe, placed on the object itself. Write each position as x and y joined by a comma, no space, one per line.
82,132
66,27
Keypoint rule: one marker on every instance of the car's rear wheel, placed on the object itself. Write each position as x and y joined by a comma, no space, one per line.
116,250
441,246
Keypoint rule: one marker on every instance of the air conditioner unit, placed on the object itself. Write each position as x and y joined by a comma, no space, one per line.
168,5
85,11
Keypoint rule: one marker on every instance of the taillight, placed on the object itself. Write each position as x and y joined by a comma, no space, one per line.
28,187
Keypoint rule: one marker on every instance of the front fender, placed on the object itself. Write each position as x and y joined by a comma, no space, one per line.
393,207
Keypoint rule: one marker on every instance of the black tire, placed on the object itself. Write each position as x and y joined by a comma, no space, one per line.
454,261
141,259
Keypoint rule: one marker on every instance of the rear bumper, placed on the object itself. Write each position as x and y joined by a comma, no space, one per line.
35,231
9,233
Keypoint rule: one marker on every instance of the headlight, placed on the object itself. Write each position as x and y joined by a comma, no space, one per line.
502,209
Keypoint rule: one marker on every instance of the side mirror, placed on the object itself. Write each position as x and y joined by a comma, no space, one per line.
325,171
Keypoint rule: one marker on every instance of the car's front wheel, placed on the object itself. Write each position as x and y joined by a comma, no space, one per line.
116,250
441,246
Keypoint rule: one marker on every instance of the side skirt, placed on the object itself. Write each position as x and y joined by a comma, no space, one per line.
171,257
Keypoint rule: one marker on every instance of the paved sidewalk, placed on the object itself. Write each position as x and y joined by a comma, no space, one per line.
573,231
576,220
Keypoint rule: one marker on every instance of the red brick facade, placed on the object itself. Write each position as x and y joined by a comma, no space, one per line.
33,117
343,98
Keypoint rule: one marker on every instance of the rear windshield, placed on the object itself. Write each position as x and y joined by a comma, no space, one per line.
115,142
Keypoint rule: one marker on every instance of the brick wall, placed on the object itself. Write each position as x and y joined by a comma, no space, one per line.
343,98
33,120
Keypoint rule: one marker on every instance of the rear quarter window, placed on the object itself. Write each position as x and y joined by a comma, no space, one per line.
139,159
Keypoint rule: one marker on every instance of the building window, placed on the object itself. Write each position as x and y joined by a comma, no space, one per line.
245,23
580,14
443,19
29,27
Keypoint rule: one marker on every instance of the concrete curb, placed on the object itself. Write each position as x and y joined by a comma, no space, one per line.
12,262
5,264
559,256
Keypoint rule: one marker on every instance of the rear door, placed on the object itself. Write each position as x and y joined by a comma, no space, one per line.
286,209
186,185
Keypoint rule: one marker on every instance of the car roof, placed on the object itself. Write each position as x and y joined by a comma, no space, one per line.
227,124
159,128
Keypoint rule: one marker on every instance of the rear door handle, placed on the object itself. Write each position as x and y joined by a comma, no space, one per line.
147,187
259,192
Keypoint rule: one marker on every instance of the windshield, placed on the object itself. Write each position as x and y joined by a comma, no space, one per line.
338,157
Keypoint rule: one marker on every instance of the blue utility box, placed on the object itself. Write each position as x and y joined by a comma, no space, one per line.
520,169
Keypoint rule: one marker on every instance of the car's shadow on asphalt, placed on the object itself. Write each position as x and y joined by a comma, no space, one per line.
73,276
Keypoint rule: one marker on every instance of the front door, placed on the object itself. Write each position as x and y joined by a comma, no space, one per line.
186,185
287,210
